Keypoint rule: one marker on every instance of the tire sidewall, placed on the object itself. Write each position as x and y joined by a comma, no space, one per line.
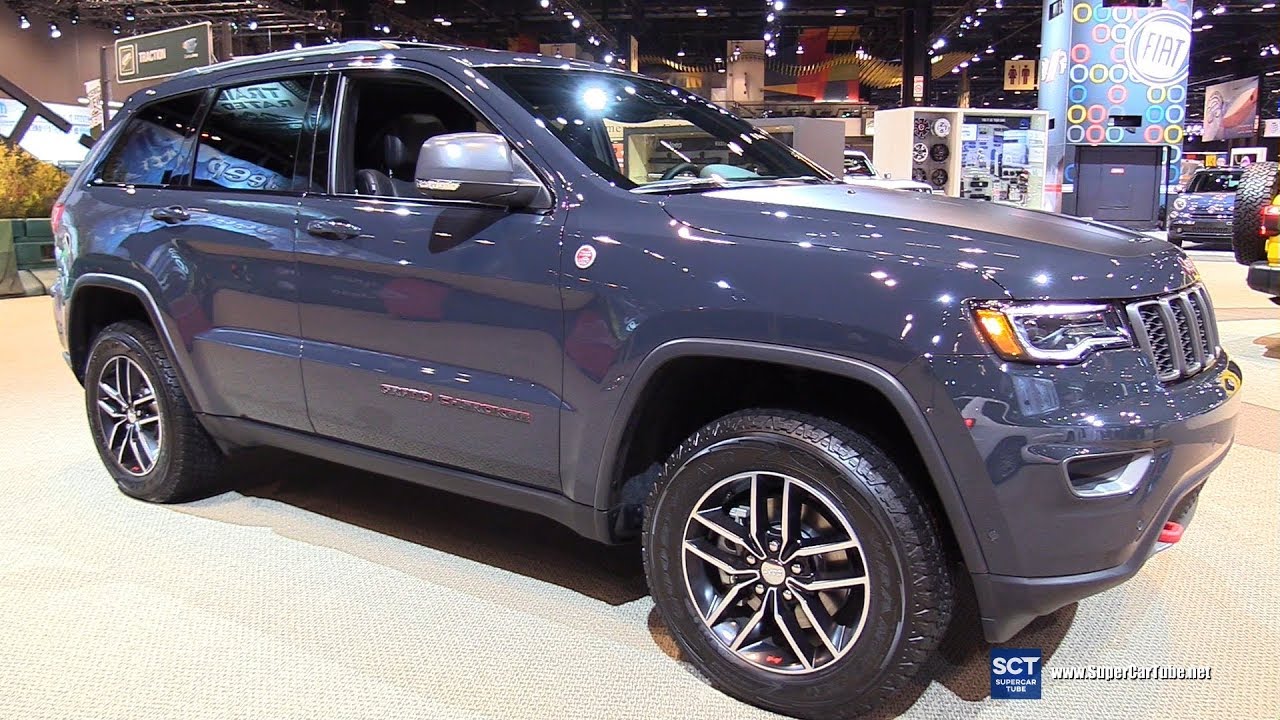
861,669
109,345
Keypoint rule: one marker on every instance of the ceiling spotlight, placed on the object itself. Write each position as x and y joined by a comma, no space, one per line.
545,3
115,29
680,52
24,22
939,43
608,58
297,44
386,29
770,17
702,12
1197,14
1256,9
129,13
768,36
990,50
799,49
74,17
1218,9
1222,59
446,23
999,4
840,12
252,24
438,19
778,5
399,2
54,32
576,23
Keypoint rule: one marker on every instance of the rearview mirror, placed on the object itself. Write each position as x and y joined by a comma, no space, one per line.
474,166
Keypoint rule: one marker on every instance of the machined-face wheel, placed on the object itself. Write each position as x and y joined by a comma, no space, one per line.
776,572
129,415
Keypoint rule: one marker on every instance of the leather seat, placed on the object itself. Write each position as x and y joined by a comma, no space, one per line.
397,144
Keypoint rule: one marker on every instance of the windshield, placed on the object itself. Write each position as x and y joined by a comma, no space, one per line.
1210,182
647,136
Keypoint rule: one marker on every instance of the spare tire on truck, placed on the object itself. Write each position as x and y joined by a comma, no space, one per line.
1258,185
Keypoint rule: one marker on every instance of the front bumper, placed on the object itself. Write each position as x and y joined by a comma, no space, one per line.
1264,277
1044,545
1208,229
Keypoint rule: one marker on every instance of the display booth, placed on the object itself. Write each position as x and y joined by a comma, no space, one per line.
983,154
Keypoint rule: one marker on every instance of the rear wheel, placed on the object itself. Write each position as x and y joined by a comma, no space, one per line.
1259,184
144,428
794,564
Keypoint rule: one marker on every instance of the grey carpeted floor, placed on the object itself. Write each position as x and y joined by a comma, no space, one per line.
317,592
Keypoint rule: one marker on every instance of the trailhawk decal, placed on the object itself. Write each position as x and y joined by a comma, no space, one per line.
452,401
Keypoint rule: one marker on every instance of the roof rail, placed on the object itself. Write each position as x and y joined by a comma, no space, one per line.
318,51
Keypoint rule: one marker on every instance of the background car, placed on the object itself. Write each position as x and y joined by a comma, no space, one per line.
1256,239
1203,213
858,170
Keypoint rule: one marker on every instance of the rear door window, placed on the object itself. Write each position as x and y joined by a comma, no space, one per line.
149,149
250,137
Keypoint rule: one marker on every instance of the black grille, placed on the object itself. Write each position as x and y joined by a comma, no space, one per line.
1177,331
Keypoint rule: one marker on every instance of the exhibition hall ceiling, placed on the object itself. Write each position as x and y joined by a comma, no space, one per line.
1232,39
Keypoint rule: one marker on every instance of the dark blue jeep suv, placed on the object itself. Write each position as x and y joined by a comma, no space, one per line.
600,298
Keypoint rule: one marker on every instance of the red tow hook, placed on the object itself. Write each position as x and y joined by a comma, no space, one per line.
1171,533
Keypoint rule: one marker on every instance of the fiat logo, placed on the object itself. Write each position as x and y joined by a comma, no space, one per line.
1158,47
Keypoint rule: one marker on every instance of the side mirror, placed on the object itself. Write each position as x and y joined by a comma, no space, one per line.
474,166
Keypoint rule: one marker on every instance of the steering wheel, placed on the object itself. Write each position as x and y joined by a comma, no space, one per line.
679,169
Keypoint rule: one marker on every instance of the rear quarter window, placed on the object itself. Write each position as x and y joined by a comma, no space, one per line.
149,148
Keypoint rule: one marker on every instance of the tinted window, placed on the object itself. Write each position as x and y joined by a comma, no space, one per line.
146,152
249,141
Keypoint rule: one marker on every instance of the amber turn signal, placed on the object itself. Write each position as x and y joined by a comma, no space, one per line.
999,332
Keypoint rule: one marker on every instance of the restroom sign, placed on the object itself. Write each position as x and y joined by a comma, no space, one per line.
1158,48
1020,75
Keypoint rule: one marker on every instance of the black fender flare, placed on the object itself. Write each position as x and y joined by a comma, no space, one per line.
877,378
161,321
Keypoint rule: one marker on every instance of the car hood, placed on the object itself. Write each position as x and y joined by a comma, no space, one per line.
1030,254
1207,202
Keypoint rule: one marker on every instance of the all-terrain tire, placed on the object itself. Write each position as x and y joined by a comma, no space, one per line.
1259,184
187,462
909,591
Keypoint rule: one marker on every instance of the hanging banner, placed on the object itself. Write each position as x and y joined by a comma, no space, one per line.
1231,109
163,53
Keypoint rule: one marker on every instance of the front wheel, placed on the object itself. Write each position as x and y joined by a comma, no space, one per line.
795,565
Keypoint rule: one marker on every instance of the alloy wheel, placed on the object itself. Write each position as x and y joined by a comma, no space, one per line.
776,572
129,415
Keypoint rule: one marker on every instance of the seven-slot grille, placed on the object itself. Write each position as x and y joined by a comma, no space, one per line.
1177,332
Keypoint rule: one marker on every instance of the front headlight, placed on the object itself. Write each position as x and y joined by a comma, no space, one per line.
1179,203
1051,332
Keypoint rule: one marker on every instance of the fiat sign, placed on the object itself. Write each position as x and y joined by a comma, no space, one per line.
1158,47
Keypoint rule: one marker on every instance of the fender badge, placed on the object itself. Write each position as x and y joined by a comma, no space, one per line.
585,257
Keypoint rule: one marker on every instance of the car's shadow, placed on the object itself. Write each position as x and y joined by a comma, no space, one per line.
512,540
541,549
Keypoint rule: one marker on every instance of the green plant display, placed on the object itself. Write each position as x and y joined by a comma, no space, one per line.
28,187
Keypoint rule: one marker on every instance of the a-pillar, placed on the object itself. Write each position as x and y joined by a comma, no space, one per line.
1111,76
916,68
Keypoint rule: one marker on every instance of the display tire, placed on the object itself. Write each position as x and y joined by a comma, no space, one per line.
910,587
188,463
1259,184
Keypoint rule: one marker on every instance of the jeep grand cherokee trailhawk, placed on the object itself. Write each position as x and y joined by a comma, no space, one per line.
597,297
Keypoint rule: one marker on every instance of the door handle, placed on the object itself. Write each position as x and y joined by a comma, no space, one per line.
173,214
333,229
